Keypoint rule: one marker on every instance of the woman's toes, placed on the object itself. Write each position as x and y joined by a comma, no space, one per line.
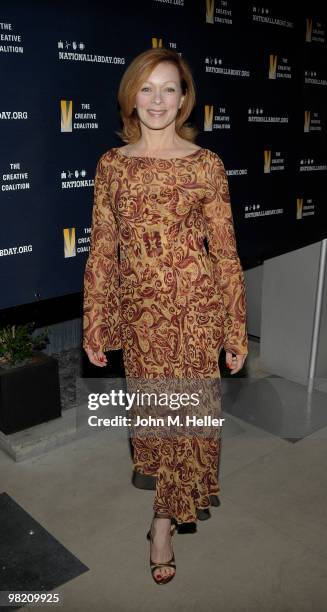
162,574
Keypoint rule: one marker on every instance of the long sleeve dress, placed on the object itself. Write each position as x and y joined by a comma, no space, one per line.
152,290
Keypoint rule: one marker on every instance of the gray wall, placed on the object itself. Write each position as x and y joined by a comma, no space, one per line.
288,307
253,281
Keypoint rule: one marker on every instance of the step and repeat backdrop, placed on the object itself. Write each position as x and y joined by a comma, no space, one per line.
261,76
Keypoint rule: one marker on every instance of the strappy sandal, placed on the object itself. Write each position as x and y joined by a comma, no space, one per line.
170,563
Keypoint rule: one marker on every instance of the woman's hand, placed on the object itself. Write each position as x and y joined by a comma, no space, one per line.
235,362
97,358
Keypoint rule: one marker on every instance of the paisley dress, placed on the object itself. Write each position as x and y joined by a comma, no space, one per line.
152,289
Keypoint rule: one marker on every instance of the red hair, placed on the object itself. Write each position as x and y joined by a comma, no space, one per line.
136,74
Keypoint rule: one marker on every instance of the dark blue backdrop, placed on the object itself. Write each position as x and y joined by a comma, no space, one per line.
261,80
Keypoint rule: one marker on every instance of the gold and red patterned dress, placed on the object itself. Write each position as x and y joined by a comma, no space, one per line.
167,303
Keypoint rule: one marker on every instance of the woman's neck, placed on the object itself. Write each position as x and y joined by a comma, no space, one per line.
158,141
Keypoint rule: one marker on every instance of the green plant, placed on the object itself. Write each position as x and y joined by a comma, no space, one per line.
17,343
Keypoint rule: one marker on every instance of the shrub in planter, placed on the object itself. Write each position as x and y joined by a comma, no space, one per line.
29,379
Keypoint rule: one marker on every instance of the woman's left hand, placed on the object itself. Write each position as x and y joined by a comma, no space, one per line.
235,362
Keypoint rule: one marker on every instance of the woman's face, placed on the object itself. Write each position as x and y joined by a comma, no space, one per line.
159,98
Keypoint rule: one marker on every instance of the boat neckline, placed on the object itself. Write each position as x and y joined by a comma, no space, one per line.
158,158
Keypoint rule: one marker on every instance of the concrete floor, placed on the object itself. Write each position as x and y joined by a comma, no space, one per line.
264,549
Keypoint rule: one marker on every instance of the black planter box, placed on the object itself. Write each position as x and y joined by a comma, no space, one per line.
29,394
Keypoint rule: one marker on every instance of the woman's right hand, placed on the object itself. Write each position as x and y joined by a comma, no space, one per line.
97,358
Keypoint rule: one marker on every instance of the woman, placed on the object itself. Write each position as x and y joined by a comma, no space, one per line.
168,304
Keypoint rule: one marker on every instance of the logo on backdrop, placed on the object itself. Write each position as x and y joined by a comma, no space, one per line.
72,179
267,161
76,51
310,165
255,210
10,42
237,172
208,117
66,109
159,43
173,2
219,121
13,115
21,249
70,241
279,69
15,179
315,31
84,119
304,207
222,14
312,122
259,115
156,42
262,15
217,66
273,161
299,208
307,121
313,77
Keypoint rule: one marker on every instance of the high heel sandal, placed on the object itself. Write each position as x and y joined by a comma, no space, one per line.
170,563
